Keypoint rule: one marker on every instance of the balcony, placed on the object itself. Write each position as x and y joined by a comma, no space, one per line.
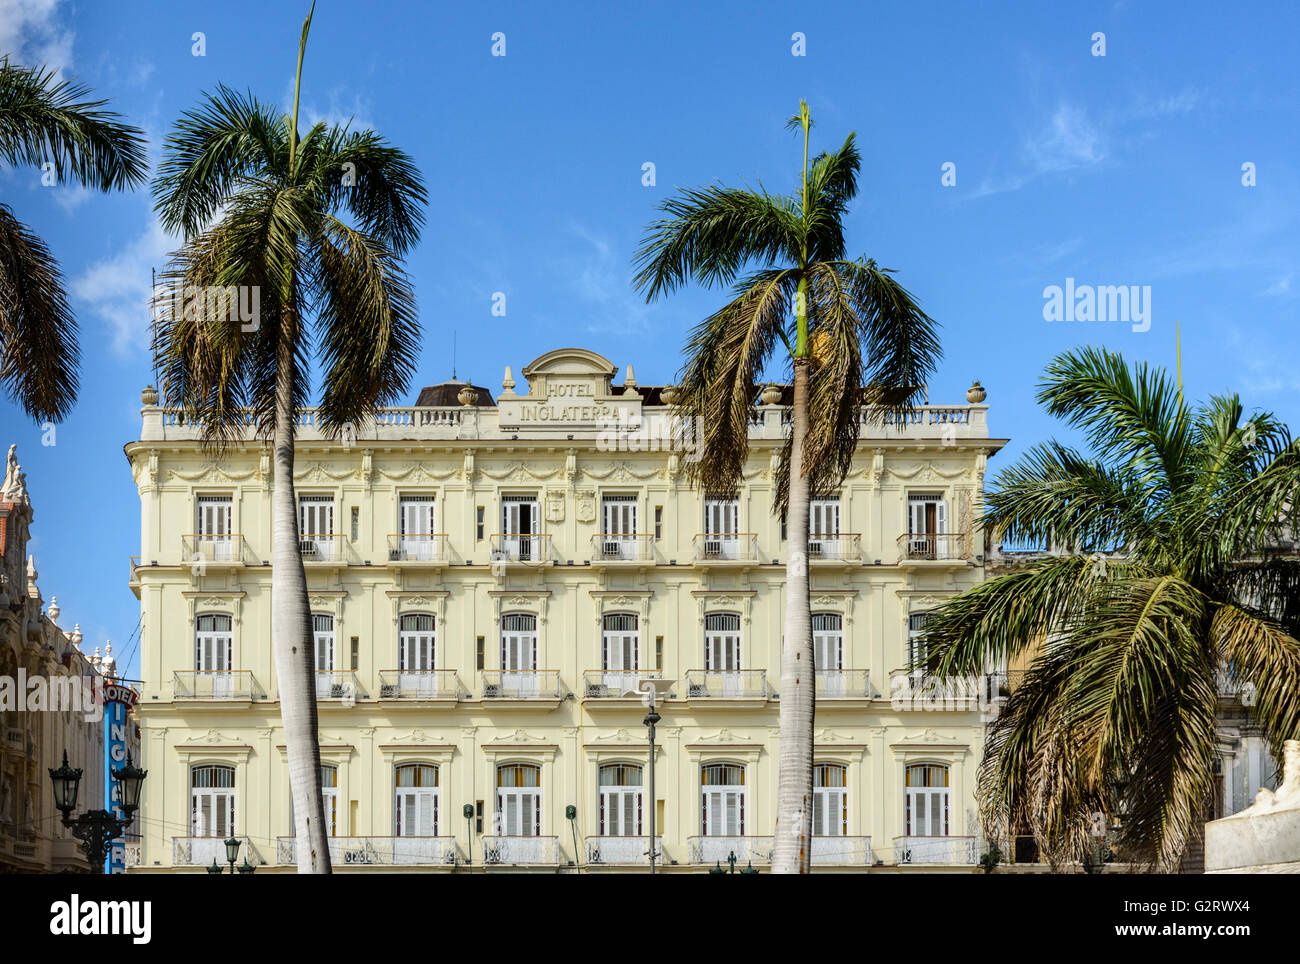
935,850
842,852
382,851
613,684
325,548
236,684
834,547
537,684
529,548
718,850
14,738
335,684
428,548
930,547
622,850
741,684
519,851
1232,686
202,851
419,684
914,690
714,547
843,684
609,547
200,552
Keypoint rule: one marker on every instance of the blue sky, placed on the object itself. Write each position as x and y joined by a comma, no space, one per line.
1117,170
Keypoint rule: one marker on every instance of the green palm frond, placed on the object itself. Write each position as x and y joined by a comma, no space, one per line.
1118,710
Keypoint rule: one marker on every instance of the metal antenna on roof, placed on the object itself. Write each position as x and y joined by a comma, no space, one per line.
453,356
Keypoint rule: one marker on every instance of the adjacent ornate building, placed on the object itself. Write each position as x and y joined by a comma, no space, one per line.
33,736
490,579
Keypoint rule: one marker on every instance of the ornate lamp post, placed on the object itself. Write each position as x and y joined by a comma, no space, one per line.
652,688
96,829
232,854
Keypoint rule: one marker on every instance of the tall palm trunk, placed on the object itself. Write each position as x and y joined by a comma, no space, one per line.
295,664
793,851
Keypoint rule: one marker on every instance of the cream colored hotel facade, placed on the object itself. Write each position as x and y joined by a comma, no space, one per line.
490,579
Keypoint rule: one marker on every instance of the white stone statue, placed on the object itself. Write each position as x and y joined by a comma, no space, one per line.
12,469
1285,797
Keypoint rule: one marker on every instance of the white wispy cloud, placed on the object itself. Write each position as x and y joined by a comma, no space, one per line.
1068,140
600,280
32,33
117,289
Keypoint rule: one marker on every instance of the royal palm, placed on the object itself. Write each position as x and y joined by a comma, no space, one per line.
43,121
1164,579
318,225
857,346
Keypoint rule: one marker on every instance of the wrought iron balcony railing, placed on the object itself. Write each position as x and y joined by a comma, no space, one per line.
324,547
355,851
419,684
935,850
536,684
843,684
202,851
214,550
614,684
520,850
841,851
916,690
726,684
617,547
514,547
934,546
428,547
725,546
715,850
233,684
835,547
622,850
338,684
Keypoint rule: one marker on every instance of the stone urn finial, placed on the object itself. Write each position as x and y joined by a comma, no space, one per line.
976,394
668,395
508,384
467,396
52,610
76,637
772,394
149,395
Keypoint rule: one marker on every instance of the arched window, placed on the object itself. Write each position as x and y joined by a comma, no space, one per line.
212,801
926,803
416,800
214,656
830,800
621,801
828,652
416,646
620,649
722,800
519,800
722,642
519,654
322,630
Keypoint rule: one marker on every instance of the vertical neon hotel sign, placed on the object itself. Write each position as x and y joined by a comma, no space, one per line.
118,701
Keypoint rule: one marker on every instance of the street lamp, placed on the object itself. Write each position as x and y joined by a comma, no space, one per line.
232,854
653,687
96,829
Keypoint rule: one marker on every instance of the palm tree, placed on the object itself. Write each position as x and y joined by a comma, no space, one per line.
858,345
260,209
44,120
1164,578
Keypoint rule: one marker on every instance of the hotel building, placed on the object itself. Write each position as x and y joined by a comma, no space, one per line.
491,578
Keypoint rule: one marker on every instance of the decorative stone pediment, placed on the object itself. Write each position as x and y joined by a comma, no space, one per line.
210,474
517,736
318,473
416,472
619,736
213,737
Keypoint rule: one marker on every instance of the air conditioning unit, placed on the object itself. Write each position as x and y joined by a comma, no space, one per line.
610,550
308,548
695,691
390,691
596,691
712,548
337,690
491,690
394,555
